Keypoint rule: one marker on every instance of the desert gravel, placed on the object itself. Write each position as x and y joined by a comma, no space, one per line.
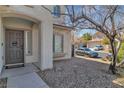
3,83
78,73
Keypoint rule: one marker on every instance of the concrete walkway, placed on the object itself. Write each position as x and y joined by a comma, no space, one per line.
31,80
23,77
28,68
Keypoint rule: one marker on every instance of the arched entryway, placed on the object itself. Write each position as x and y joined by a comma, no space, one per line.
20,40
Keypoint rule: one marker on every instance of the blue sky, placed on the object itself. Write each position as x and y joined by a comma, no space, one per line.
97,17
81,32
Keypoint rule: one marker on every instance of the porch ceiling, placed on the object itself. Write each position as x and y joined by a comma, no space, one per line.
21,16
17,23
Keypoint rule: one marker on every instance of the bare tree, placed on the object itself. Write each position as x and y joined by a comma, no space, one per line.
105,19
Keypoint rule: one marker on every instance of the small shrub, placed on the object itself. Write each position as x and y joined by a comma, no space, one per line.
121,53
105,41
110,51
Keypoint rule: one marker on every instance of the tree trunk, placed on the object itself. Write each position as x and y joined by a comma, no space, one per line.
119,46
112,66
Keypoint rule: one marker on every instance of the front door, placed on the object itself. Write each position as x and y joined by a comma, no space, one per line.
14,51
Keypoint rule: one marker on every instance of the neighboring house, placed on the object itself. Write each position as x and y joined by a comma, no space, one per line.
96,40
32,34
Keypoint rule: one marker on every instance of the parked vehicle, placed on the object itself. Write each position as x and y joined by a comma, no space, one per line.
98,47
82,46
109,56
86,52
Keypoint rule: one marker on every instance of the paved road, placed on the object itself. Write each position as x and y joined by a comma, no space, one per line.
102,54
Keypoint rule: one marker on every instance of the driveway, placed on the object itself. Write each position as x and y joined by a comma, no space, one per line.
78,72
102,54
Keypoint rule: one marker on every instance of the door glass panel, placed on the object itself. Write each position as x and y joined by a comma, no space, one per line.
29,43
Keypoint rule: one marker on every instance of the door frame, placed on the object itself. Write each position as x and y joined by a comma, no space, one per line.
5,29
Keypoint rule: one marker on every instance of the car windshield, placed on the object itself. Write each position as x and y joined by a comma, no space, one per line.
87,49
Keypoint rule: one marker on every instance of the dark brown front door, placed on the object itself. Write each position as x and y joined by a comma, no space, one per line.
14,51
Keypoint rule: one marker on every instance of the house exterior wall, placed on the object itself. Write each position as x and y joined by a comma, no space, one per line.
96,40
35,46
1,46
15,24
98,36
57,20
92,44
40,22
50,7
45,25
66,44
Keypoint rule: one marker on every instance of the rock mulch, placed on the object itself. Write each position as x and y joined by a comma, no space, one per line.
78,73
3,83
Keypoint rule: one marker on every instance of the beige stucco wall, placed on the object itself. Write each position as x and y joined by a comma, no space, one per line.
42,33
92,44
57,20
35,49
17,23
50,7
45,24
1,47
66,43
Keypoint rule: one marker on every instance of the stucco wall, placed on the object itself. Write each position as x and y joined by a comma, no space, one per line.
34,57
50,7
92,44
42,33
1,46
17,23
66,43
57,20
45,23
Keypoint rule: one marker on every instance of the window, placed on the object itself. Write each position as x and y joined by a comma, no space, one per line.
28,43
56,11
57,43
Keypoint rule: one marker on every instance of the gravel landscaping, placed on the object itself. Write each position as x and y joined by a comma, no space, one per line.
79,73
3,83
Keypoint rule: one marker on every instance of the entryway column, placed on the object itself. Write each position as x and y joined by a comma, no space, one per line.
46,45
1,45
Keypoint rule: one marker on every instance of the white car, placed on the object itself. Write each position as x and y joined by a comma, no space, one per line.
98,47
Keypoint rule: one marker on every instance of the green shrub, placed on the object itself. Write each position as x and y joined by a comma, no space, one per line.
121,53
110,51
105,41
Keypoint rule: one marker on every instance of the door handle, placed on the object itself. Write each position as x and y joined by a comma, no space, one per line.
14,43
